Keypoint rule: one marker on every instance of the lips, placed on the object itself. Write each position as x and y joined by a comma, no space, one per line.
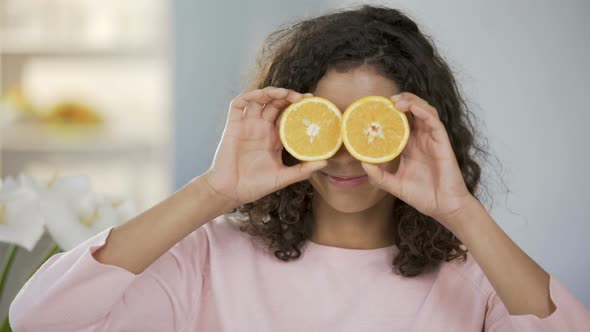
346,177
346,181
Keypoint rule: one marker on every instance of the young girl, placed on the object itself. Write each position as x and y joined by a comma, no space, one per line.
334,245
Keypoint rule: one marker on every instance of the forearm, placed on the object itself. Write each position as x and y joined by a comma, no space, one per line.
136,244
521,284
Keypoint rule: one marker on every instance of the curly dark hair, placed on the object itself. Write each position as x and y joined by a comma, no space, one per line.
296,57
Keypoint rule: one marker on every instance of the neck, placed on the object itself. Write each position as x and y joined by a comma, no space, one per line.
369,229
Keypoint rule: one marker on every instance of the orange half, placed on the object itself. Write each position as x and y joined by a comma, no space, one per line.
373,130
310,129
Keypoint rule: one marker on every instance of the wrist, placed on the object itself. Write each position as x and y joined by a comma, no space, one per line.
201,188
465,216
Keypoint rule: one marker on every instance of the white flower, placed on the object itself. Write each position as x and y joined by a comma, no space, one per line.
20,220
73,212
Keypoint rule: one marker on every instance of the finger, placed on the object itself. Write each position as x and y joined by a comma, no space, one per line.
276,93
272,110
426,119
423,119
281,99
299,172
259,96
239,104
268,95
412,98
292,97
382,179
253,110
412,122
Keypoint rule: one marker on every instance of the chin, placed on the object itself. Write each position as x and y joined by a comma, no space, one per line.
348,199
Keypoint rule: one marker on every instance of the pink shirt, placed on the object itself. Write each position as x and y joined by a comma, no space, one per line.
219,279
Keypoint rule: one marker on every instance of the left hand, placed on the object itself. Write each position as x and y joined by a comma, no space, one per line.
428,177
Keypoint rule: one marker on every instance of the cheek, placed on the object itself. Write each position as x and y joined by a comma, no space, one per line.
316,183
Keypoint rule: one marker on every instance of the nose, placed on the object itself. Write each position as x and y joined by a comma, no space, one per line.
343,156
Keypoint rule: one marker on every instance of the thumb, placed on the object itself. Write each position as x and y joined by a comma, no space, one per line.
300,172
382,179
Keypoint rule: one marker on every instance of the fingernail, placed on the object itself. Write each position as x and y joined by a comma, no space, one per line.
318,164
401,104
366,165
396,98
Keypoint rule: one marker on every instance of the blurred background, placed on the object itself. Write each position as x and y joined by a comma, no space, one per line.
86,88
134,94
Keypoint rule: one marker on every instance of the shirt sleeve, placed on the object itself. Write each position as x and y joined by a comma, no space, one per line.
569,315
74,292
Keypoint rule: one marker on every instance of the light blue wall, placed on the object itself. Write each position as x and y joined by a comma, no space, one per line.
215,45
208,42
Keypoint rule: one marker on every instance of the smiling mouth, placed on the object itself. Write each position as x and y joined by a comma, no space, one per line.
345,177
348,181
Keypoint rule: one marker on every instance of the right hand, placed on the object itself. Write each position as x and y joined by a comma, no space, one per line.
247,164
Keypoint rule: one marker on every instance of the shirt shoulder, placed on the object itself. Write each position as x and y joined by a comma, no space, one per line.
224,235
468,273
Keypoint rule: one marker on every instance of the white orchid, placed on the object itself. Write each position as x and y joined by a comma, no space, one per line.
73,212
67,206
20,220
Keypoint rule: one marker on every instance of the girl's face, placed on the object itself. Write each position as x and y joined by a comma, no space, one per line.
355,195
